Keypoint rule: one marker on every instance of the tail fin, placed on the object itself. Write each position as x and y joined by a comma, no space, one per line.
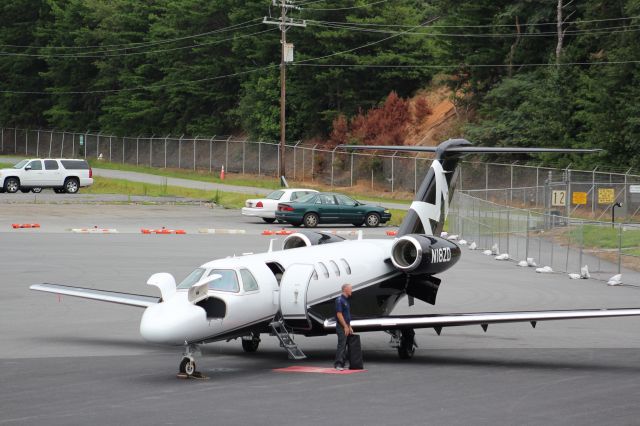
431,204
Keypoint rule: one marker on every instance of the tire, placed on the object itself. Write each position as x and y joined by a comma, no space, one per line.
251,345
268,219
296,224
11,185
358,224
59,190
25,190
372,220
71,185
407,344
187,366
310,220
36,190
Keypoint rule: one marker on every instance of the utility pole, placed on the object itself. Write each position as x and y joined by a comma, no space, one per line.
286,53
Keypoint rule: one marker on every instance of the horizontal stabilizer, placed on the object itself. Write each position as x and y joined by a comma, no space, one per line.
101,295
437,321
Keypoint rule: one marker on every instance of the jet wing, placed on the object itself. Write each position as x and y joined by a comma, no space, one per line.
438,321
101,295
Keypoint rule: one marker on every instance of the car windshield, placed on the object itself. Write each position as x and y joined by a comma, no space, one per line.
275,195
307,198
20,164
192,278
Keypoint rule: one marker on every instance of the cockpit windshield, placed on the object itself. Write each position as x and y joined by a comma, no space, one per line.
192,278
228,280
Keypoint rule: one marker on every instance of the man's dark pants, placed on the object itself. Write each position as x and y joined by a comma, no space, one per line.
341,353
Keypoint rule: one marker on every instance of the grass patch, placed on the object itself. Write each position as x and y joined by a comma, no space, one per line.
231,200
6,165
605,237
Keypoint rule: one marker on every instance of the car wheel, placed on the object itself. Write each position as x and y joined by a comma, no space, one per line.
25,190
36,190
372,220
310,220
71,185
296,224
268,219
11,185
58,190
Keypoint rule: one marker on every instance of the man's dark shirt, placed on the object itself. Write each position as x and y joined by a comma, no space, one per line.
342,305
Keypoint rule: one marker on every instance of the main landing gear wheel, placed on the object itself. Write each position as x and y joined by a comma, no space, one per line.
251,344
407,346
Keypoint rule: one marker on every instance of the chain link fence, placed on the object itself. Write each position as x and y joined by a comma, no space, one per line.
524,186
565,244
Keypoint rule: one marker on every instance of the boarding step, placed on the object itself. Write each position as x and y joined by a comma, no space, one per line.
286,340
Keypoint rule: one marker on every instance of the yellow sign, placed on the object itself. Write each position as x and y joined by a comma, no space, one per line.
606,196
579,198
558,198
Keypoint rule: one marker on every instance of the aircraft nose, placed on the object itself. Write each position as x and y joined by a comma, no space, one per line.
171,323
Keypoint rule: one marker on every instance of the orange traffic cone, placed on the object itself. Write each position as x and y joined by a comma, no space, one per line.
222,173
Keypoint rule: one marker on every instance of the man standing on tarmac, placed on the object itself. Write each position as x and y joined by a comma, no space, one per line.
343,327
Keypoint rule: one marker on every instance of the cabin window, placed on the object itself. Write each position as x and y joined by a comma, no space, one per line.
324,269
346,266
192,278
336,270
249,283
228,280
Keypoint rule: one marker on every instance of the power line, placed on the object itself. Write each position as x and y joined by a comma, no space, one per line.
606,30
130,89
462,65
81,56
481,26
345,8
136,45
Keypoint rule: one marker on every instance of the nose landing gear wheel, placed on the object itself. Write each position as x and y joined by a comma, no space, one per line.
187,366
407,346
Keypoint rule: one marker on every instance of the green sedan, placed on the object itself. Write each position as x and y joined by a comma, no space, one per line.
326,207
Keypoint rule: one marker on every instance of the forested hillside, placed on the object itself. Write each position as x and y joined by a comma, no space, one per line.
521,72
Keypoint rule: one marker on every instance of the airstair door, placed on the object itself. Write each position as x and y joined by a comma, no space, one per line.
293,295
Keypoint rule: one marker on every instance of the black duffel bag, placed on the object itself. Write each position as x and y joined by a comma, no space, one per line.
355,352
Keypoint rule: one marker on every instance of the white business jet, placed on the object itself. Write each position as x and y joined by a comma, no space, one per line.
292,291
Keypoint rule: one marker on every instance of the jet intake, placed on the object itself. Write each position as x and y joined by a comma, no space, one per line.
308,239
424,254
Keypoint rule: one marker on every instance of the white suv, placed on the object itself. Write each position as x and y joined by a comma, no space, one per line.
63,175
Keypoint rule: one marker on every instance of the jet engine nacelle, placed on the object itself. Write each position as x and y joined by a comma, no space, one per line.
309,238
424,254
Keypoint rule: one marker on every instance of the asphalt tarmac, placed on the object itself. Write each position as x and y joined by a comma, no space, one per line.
66,361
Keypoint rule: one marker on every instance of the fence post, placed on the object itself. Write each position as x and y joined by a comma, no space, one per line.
211,151
511,183
581,244
86,143
50,143
259,157
526,249
351,169
537,183
593,191
295,159
62,146
38,145
332,158
2,141
26,141
486,181
165,151
313,159
415,174
110,148
194,151
15,140
151,150
619,247
124,145
244,149
624,202
508,228
392,171
180,152
137,149
226,154
98,145
303,150
73,147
